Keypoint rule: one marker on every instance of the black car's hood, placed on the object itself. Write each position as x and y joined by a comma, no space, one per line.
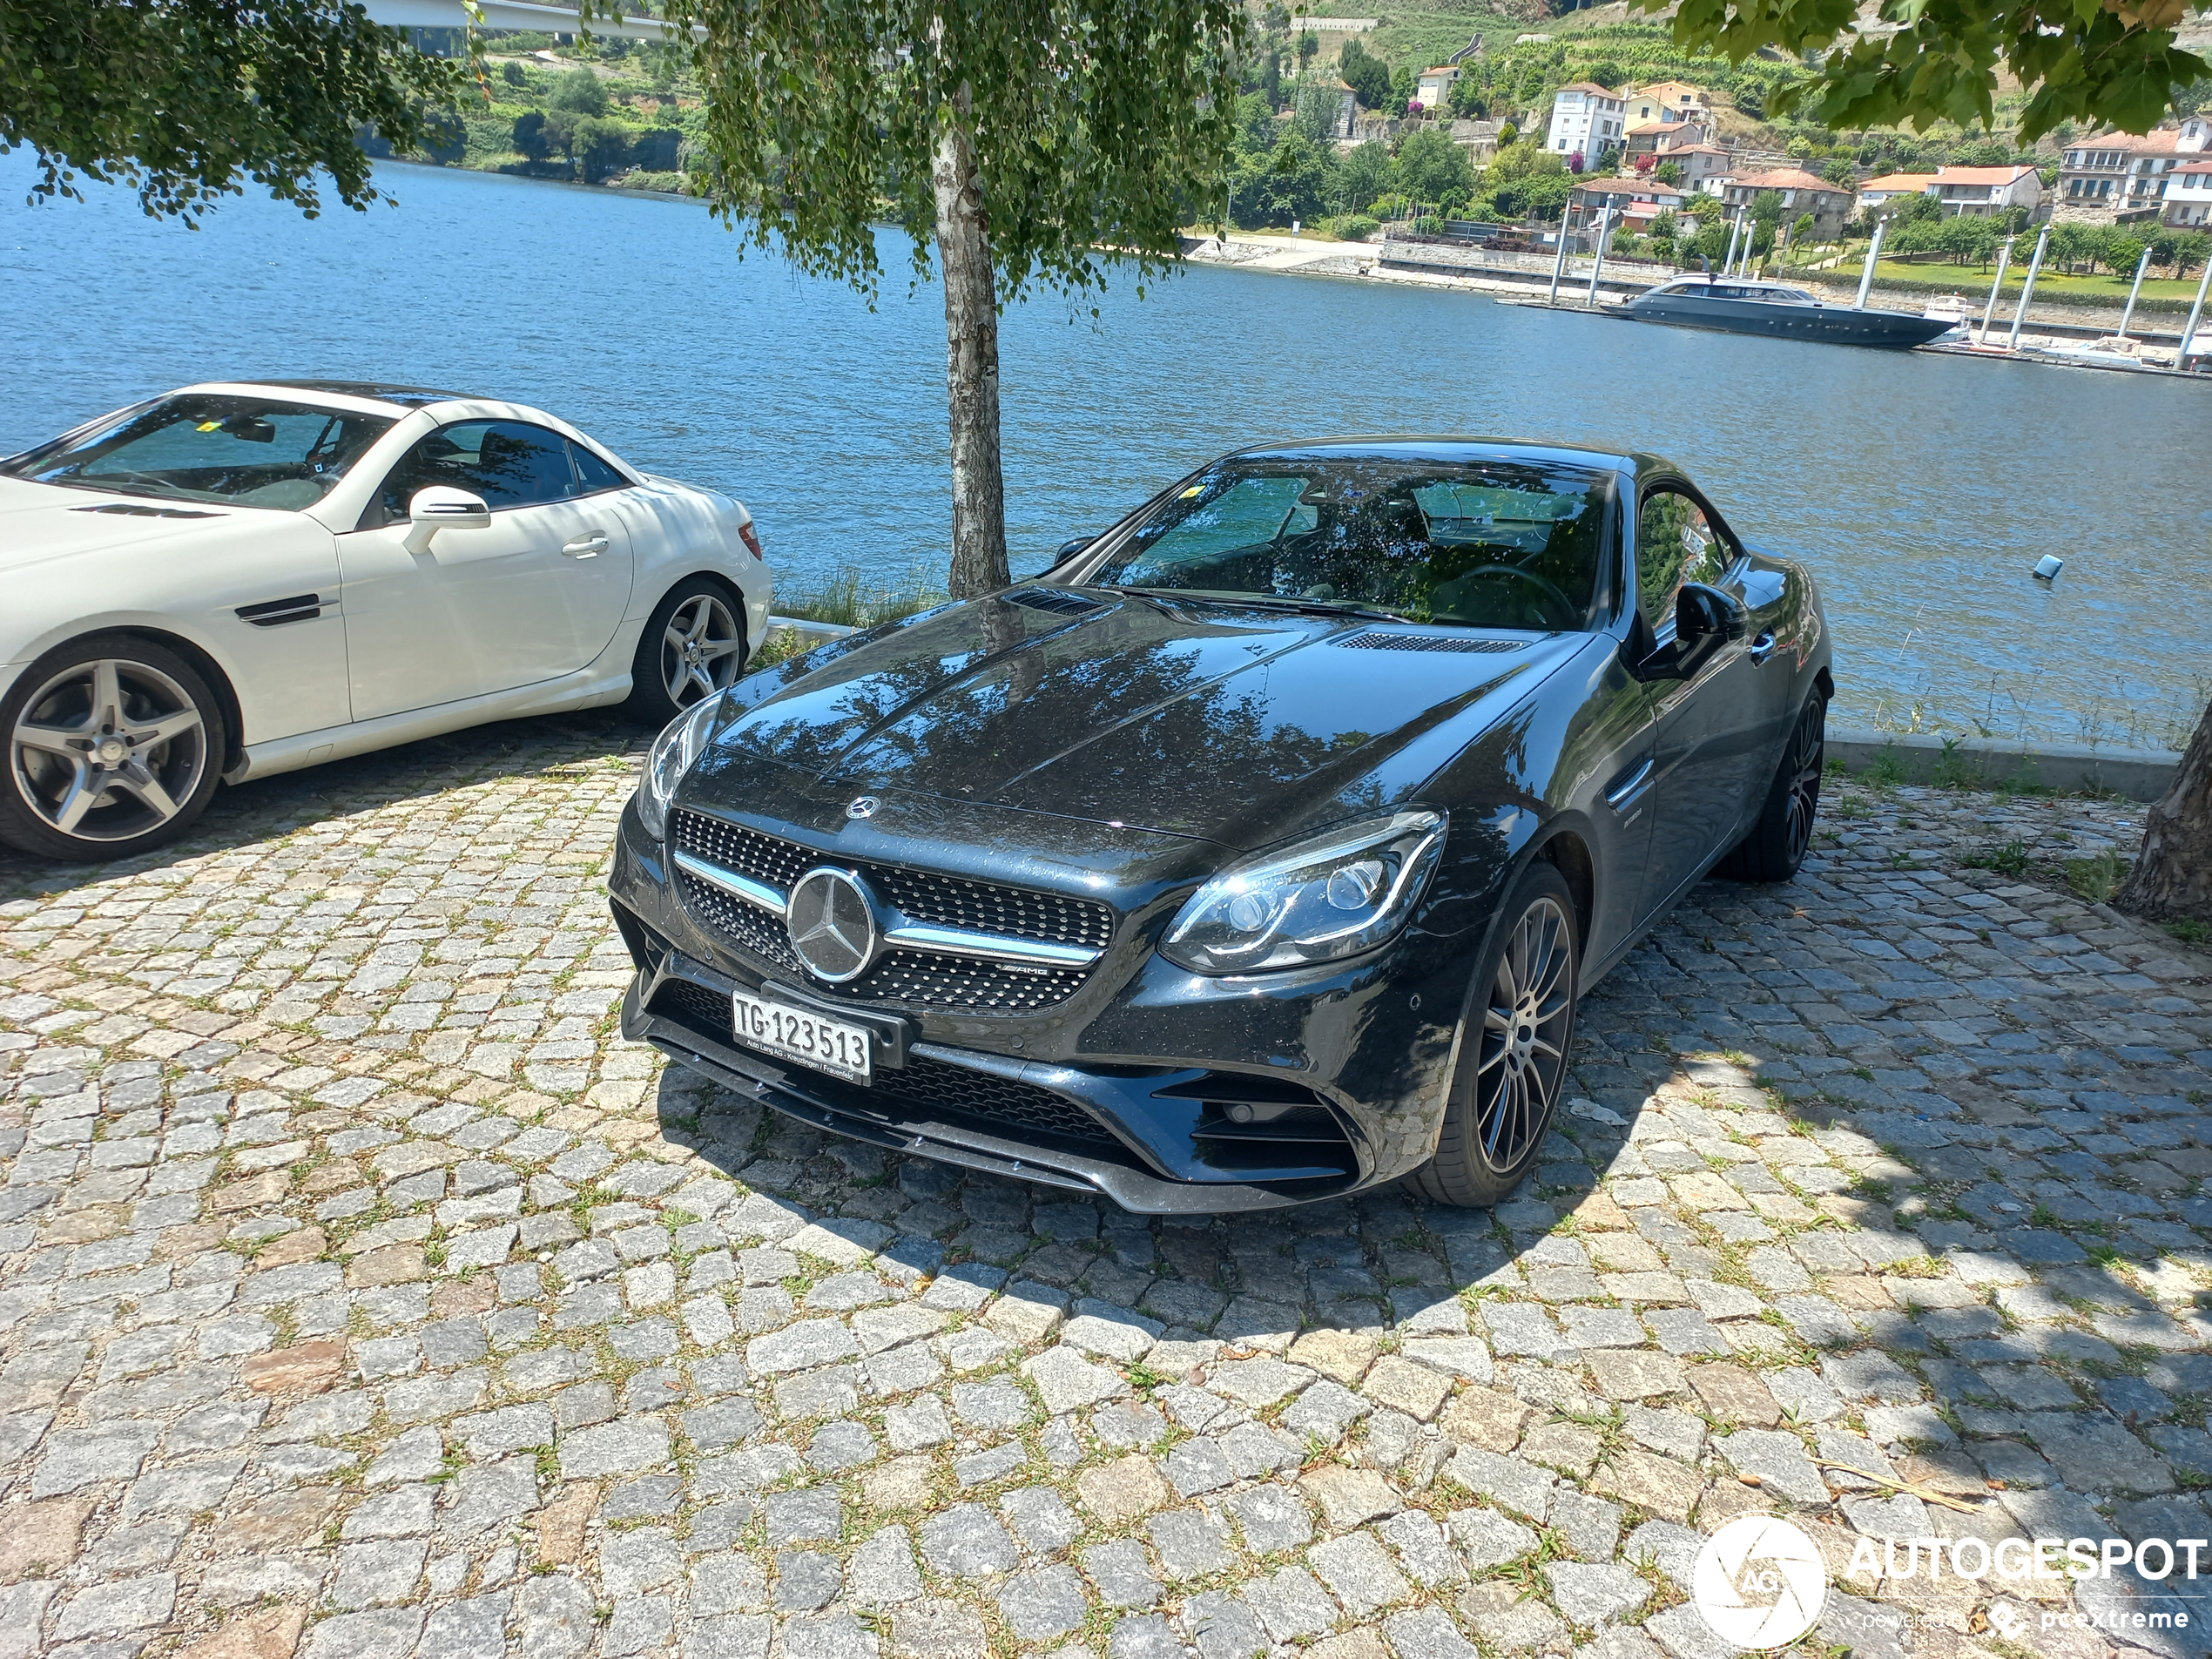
1236,724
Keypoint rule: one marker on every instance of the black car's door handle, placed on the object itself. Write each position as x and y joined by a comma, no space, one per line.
1762,648
1624,790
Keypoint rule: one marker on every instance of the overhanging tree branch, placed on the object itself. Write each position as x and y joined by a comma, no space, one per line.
185,99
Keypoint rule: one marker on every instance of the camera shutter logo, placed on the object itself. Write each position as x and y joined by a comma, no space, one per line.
1759,1582
831,923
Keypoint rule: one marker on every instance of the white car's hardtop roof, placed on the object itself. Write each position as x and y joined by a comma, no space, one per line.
363,397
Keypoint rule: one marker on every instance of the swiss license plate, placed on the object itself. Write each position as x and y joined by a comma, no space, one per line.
794,1034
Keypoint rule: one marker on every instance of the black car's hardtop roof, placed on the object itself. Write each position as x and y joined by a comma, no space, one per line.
408,397
1443,448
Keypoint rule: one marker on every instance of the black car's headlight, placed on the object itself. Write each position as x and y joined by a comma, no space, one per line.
672,753
1332,895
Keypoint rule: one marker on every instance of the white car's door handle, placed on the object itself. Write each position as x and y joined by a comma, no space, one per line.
589,547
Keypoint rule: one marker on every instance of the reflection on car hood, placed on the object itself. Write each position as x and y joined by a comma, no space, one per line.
40,521
1236,725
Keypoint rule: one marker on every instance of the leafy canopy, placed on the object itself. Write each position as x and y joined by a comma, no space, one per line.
1100,127
184,98
2099,62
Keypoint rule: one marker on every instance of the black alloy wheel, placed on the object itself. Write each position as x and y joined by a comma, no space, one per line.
1519,1030
1777,843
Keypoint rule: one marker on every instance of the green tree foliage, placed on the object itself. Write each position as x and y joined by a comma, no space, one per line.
1668,173
2113,62
1027,142
530,139
599,146
1368,76
1365,173
186,99
1431,167
581,93
1320,106
1525,182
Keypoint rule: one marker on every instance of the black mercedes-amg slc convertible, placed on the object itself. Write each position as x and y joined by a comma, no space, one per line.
1256,852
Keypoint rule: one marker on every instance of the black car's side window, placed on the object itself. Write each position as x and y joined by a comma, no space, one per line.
1676,543
508,463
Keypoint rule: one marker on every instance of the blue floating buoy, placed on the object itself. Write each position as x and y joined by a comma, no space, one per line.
2047,567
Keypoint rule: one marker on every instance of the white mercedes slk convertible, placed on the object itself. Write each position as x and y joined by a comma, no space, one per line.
241,578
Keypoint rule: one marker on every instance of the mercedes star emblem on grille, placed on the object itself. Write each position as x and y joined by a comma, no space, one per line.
832,924
864,806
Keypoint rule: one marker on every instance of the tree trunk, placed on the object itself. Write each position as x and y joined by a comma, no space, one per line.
971,364
2173,876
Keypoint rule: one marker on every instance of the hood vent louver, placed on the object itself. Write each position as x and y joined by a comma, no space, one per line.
1377,639
127,511
1057,600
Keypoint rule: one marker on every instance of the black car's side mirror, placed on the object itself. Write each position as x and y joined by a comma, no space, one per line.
1705,619
1072,546
1701,612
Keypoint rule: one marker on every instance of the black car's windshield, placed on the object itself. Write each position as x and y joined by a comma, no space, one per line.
1492,544
201,447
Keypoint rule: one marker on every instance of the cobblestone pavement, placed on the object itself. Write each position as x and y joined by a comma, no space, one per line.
362,1294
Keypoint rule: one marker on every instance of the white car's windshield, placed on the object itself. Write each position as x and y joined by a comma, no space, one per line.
201,447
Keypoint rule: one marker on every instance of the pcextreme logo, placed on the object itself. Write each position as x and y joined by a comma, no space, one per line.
1759,1582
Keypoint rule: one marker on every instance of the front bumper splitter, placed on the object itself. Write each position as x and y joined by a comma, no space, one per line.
761,1077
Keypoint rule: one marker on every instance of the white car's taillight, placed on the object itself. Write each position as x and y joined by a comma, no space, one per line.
753,541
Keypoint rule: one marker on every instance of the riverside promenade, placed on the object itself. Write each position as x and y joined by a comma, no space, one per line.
362,1295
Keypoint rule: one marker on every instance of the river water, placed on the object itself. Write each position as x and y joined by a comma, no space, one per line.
1920,490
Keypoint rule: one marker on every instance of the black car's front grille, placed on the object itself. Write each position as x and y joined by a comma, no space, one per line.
936,1087
904,975
765,857
986,908
751,929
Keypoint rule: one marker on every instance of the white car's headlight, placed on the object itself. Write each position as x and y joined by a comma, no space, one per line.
672,753
1332,895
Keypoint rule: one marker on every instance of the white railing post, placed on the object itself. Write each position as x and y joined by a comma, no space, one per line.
1559,265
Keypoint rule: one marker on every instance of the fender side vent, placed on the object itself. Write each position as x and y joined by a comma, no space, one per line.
304,607
1376,639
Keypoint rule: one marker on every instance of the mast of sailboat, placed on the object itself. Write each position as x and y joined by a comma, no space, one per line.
2034,267
1873,252
1989,311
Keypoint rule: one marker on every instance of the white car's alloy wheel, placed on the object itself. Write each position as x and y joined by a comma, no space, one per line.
702,650
109,750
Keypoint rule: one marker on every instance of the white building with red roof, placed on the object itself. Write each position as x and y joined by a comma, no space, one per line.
1586,119
2110,177
1890,186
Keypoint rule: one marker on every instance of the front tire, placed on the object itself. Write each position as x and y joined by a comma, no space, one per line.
1512,1064
693,646
115,746
1778,842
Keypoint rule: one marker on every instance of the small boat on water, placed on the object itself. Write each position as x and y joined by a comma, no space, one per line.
1951,310
1750,305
